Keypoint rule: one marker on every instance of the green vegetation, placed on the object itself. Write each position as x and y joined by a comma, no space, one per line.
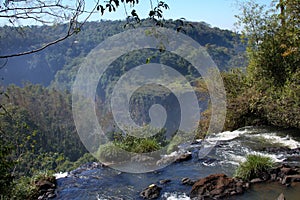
27,188
269,92
273,73
58,65
254,167
141,145
36,135
120,144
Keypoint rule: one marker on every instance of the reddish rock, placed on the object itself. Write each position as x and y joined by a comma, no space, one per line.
217,186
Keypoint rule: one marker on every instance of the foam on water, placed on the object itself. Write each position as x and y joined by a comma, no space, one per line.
60,175
175,196
233,152
275,139
226,136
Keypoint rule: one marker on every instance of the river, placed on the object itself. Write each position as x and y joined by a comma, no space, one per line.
232,147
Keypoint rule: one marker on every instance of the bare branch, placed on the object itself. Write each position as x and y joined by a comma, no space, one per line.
56,11
74,25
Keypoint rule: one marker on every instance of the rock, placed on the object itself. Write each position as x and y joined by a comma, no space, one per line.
217,186
50,195
273,177
184,157
276,149
264,175
46,188
44,185
196,142
151,192
41,197
85,167
286,171
281,197
187,181
291,178
246,185
141,158
207,161
164,181
256,180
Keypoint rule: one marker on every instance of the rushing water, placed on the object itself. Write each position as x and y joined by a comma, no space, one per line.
232,148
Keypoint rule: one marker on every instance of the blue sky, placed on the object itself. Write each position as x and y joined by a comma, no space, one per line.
218,13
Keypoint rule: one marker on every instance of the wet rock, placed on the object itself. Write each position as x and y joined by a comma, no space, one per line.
287,171
256,180
281,197
217,186
141,159
174,158
196,142
85,167
162,182
264,175
44,185
151,192
291,178
184,157
50,195
165,161
207,160
187,181
273,177
46,189
276,149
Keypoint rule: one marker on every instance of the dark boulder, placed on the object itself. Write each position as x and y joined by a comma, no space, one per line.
184,157
44,185
151,192
46,189
187,181
165,181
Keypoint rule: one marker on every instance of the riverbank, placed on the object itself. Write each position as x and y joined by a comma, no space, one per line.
220,186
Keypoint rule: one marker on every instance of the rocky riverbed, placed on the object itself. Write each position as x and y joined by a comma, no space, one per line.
193,176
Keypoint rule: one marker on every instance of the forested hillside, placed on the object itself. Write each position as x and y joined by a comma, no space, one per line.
58,64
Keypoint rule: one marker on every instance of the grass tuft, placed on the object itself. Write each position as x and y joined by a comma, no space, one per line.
253,167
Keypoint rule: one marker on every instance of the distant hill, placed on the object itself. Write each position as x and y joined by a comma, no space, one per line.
58,64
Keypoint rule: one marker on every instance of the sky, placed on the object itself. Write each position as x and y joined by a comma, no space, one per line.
217,13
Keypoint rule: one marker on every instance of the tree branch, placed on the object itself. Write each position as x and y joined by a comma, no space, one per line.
74,28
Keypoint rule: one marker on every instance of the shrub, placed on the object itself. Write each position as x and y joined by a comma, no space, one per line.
26,188
146,145
110,153
253,167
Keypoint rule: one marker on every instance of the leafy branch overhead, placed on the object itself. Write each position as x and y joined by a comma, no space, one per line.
155,13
